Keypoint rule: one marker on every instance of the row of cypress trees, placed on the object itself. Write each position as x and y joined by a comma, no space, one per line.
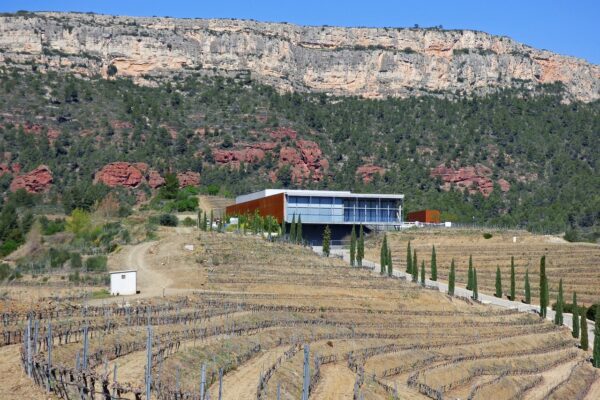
295,230
357,247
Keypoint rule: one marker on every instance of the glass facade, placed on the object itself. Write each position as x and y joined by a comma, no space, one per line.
337,210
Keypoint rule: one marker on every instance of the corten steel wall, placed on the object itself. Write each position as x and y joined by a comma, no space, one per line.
428,216
270,205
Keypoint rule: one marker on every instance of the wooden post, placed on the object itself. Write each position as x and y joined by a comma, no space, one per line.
306,373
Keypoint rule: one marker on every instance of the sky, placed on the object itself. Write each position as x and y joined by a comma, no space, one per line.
565,27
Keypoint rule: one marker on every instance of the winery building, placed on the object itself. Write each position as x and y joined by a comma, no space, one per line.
318,208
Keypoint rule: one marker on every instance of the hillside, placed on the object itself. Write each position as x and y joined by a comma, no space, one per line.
373,63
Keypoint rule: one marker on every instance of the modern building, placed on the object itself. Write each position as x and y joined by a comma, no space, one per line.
318,208
123,283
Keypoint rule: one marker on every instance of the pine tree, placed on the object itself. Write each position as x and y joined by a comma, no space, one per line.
383,255
558,315
596,358
299,238
584,330
451,279
513,288
326,240
408,259
575,316
293,229
527,288
353,247
415,267
470,275
475,290
423,273
433,265
498,283
390,267
360,251
543,288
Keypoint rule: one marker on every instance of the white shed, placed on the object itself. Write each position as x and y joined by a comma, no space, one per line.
123,282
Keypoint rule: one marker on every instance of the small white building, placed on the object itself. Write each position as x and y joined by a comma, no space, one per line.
123,283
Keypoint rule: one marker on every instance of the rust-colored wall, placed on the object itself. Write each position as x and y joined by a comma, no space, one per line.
429,216
270,205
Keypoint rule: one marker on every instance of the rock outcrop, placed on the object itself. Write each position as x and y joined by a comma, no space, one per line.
369,62
472,178
38,180
120,174
367,172
188,178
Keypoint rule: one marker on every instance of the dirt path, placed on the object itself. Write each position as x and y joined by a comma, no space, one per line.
241,383
149,281
14,383
337,383
552,378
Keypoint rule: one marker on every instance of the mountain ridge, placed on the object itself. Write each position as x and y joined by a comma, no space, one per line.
366,62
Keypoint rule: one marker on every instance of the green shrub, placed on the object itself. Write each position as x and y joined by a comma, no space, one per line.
8,247
58,257
50,227
487,235
76,262
189,222
168,220
96,264
4,271
591,311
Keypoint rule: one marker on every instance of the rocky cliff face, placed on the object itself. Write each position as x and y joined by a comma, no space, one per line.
343,61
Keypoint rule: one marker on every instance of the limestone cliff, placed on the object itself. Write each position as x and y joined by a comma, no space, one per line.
370,62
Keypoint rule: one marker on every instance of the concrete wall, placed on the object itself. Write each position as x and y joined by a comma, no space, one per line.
123,283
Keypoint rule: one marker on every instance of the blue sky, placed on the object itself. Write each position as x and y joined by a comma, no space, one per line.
566,27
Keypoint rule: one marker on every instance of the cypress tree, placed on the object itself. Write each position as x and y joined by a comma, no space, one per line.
584,330
408,259
558,315
211,220
575,316
326,240
205,223
383,253
513,283
360,251
299,238
470,275
498,283
293,229
475,290
451,279
433,265
596,359
415,267
353,247
423,273
543,288
199,218
390,267
527,288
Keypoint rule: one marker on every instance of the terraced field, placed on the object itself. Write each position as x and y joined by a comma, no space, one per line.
259,303
578,264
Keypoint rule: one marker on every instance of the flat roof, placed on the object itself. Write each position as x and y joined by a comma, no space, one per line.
122,272
315,193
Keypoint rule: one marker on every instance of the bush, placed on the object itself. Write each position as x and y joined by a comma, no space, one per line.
58,257
8,247
4,271
96,264
591,311
76,262
168,220
50,227
487,235
189,222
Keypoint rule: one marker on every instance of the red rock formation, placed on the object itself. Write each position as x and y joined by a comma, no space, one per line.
367,171
283,132
188,178
504,185
38,180
16,168
116,124
155,180
4,169
471,178
119,174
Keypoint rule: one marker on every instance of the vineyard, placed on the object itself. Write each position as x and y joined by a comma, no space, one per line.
576,263
266,319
